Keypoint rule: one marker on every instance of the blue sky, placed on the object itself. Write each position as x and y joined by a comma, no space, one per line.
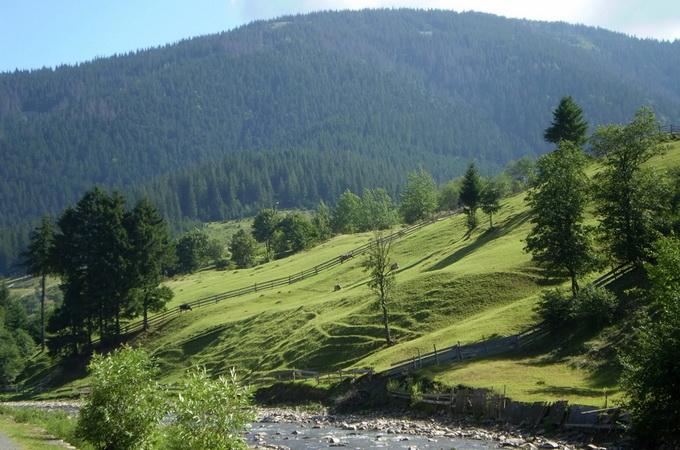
49,33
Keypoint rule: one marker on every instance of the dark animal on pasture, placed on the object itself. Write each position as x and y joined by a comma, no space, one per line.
184,307
345,256
337,288
394,266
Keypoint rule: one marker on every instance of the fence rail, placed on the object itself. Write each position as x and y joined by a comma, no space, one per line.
301,375
485,403
670,129
461,352
159,318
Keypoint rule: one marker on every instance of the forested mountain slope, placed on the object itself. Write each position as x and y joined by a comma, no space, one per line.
299,109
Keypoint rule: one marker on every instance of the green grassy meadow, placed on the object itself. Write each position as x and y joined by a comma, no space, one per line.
452,287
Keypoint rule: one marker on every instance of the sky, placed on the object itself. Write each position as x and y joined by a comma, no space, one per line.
50,33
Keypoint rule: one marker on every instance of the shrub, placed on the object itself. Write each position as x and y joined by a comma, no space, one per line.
595,305
125,407
651,368
210,414
555,307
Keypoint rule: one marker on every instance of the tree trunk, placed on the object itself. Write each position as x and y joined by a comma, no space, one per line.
146,316
574,283
42,315
386,323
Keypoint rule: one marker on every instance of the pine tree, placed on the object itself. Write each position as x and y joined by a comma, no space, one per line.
38,262
471,193
568,124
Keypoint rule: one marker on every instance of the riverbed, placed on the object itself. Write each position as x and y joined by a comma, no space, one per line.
292,429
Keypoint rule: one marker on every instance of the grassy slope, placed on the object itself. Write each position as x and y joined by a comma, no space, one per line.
451,287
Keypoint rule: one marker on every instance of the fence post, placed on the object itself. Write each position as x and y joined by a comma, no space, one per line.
255,287
460,354
420,361
436,356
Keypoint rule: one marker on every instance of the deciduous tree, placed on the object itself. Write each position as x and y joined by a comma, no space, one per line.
243,249
419,197
346,213
264,225
559,241
192,251
377,210
382,281
651,367
628,194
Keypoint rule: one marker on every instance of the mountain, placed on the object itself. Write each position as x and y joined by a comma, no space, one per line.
299,109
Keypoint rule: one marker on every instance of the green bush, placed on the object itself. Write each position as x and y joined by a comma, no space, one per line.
592,305
555,307
651,370
210,414
125,407
595,305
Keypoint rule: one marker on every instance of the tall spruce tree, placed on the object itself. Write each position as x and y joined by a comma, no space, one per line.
494,189
151,255
92,258
37,259
111,262
471,193
568,124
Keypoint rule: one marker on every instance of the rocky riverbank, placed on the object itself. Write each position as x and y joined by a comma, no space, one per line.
440,425
436,427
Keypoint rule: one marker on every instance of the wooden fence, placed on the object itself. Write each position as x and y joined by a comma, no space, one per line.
673,130
303,375
160,318
485,403
460,352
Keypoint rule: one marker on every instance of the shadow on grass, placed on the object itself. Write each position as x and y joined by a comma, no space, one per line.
564,392
557,347
482,239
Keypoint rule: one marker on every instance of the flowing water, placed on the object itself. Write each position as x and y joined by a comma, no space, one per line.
297,437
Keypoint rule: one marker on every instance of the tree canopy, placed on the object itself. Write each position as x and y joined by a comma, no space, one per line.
110,261
629,197
559,241
568,124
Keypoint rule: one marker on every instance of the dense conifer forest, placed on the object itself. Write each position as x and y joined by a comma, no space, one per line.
299,109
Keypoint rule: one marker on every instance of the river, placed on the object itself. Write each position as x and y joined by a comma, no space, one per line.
281,428
297,437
